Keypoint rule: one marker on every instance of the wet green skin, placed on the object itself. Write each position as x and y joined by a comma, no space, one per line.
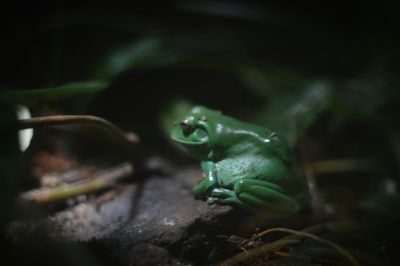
243,164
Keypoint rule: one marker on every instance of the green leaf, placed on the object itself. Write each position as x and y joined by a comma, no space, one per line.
293,112
270,82
57,93
145,52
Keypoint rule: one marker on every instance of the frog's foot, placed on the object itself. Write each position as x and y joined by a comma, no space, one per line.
223,196
259,194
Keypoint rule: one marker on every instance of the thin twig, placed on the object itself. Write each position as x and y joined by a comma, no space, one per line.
255,252
314,229
125,140
344,165
282,254
100,181
335,246
284,241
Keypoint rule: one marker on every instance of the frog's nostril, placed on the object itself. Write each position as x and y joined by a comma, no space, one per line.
186,128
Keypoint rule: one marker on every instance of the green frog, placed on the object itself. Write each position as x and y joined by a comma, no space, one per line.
243,165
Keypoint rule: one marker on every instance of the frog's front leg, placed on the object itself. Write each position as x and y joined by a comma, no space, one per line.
209,181
210,172
253,195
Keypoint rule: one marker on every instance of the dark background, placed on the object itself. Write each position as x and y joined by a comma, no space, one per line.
255,60
193,49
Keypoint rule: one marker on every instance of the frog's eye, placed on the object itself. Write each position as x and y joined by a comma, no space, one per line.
186,128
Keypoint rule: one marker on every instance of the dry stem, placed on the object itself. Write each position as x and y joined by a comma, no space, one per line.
100,181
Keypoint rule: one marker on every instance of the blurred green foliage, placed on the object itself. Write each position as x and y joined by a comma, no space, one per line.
48,95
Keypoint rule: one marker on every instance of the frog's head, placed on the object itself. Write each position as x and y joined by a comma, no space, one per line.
195,132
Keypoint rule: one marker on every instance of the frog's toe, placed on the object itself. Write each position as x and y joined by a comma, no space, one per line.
227,201
222,193
211,200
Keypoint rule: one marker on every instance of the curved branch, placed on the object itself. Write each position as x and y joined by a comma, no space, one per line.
126,140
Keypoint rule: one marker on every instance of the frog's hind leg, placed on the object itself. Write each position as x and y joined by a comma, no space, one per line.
259,194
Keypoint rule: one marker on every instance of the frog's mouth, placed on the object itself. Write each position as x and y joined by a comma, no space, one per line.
189,135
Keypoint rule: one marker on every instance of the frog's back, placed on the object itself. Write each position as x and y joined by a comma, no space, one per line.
265,139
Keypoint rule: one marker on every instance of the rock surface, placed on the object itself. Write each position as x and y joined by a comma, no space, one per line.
157,222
